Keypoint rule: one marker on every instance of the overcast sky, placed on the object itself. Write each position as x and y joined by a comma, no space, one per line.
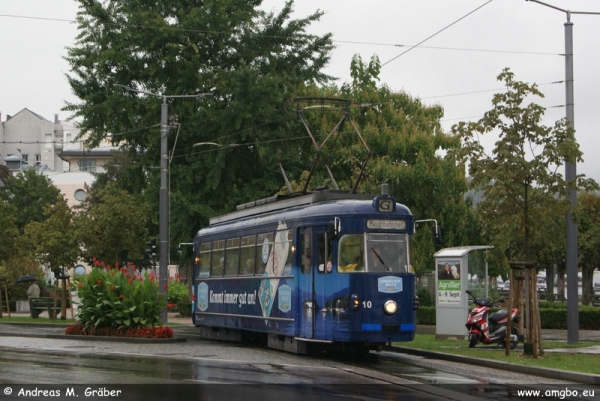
456,68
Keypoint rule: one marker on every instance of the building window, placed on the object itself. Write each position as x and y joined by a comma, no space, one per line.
38,158
88,165
80,195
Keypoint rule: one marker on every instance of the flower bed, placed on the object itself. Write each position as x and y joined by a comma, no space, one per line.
140,332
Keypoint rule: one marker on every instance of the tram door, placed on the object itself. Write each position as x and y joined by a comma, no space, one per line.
306,284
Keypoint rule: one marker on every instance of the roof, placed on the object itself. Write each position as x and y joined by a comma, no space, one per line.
459,251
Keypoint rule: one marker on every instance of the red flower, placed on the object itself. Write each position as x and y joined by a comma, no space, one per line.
116,265
141,278
80,286
166,287
99,282
134,267
122,296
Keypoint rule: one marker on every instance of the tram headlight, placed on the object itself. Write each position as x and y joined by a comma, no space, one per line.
355,301
390,307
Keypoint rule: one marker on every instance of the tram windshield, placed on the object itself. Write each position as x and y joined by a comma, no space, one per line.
385,253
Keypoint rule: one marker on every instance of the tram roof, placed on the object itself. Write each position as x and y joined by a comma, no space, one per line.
279,203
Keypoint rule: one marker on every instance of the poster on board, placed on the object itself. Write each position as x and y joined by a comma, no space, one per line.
449,291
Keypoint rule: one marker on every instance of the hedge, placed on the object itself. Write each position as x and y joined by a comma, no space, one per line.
550,318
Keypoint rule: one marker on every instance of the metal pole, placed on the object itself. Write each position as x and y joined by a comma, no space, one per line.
570,175
163,226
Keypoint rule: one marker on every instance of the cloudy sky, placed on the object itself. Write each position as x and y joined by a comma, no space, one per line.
463,46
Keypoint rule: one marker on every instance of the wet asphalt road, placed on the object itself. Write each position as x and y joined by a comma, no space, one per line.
199,369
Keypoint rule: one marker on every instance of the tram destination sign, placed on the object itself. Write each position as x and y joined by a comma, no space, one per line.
377,224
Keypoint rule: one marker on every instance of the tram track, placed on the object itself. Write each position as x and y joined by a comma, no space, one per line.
416,375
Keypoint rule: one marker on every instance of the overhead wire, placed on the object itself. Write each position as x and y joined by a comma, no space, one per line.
411,47
438,32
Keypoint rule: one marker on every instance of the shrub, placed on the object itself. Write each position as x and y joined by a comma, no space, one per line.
177,291
116,299
184,307
424,298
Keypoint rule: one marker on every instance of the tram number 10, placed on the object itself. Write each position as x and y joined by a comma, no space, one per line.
367,304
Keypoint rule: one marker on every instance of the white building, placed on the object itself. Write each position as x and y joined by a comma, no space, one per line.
28,140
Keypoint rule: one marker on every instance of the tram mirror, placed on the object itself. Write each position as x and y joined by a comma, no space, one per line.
332,232
334,228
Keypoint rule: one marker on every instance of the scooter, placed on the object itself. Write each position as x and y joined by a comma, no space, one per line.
490,328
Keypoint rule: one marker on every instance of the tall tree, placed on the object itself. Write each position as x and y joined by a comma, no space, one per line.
249,60
8,230
408,150
29,192
113,228
55,240
521,175
588,223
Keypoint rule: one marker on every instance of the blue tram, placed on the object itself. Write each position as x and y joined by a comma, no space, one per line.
327,267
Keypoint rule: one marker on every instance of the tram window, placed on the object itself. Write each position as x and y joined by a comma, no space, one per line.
247,255
324,252
387,253
264,243
218,258
351,253
282,263
204,262
232,256
305,249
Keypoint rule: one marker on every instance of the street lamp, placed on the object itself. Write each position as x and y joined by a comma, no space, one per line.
570,174
163,222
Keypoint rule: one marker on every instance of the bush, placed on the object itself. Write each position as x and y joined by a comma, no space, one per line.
177,291
550,318
424,298
426,315
184,307
116,299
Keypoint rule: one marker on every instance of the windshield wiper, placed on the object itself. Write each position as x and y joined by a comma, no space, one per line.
387,268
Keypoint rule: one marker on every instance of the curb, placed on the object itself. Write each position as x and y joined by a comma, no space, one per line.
139,340
585,378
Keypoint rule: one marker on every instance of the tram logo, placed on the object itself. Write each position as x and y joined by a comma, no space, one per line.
285,298
389,284
202,296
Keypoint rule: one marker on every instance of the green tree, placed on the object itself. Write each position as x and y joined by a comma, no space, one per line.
248,59
55,240
30,193
408,150
520,178
8,230
114,227
588,222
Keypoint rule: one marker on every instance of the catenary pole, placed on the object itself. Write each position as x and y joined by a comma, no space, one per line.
570,175
163,220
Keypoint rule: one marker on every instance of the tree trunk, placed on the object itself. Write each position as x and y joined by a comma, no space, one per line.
587,285
560,285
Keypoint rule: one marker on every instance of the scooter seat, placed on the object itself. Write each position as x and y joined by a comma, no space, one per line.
497,316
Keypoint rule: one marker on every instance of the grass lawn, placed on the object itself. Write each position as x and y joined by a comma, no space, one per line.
586,363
